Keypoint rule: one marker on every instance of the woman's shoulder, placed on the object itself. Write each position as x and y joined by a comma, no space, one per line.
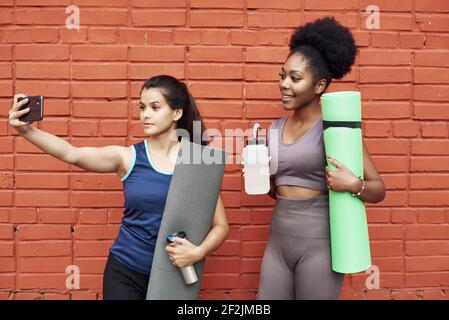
277,123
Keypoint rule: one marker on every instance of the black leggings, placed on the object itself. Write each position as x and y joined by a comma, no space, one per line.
122,283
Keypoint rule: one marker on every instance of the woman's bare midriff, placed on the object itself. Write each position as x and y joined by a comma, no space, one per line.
294,192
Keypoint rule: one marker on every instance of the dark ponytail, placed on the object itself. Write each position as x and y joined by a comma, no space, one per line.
178,96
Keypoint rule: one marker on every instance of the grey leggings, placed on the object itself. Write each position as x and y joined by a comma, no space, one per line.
297,260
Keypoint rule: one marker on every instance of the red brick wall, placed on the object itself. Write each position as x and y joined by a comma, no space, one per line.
229,52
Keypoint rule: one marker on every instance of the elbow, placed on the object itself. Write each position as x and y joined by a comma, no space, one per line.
71,156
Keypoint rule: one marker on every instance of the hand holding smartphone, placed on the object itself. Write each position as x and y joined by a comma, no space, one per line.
36,105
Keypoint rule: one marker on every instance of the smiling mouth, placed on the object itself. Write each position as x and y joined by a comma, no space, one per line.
287,97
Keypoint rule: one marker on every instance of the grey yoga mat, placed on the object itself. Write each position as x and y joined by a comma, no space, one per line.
190,207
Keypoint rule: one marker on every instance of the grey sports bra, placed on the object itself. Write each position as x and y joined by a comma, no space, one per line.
301,163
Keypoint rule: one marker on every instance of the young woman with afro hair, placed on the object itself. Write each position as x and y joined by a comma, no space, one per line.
297,260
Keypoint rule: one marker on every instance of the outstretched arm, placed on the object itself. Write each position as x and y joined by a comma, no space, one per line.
104,159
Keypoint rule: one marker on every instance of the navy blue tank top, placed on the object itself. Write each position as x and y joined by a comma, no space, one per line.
145,189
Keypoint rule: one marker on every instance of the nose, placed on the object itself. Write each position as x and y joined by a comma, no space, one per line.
284,84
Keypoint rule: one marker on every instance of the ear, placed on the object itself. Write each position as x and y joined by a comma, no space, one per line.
177,114
320,86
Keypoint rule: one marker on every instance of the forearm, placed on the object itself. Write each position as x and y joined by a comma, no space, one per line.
374,191
51,144
216,236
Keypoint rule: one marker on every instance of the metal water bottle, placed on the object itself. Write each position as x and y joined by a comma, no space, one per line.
188,272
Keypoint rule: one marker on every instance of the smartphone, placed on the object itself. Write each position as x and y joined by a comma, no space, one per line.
36,105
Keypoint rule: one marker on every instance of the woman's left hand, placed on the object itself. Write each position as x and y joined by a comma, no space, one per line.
183,253
341,179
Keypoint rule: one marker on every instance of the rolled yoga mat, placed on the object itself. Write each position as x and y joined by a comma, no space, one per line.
343,141
190,207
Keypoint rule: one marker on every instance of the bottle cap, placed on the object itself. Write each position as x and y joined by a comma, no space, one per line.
179,234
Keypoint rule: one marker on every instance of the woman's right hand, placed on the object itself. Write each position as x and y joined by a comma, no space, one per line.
15,113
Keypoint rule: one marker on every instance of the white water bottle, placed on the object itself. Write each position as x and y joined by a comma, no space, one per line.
256,164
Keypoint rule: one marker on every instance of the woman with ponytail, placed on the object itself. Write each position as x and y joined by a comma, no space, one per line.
166,109
297,260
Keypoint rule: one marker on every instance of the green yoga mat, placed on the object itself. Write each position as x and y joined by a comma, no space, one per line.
343,141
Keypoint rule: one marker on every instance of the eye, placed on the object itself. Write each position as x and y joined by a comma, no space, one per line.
282,75
296,79
141,107
155,108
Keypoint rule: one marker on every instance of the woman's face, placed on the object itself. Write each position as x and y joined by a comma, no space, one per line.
296,83
156,115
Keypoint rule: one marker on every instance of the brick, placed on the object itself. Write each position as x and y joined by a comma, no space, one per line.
96,199
404,215
408,129
215,54
44,232
99,71
429,164
214,37
274,19
429,181
6,249
57,216
217,109
73,36
188,36
102,35
433,22
41,198
40,16
39,162
243,37
222,265
216,19
23,215
98,109
412,40
142,71
131,36
253,248
431,93
53,89
430,147
44,249
388,6
99,89
386,92
384,57
432,5
92,248
260,54
427,232
390,75
431,111
93,181
434,130
224,90
220,281
99,53
42,281
95,232
156,54
262,91
421,264
5,53
429,198
158,18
